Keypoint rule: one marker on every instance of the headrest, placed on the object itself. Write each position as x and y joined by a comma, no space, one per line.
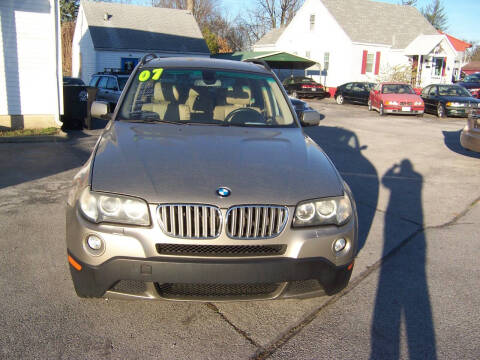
158,94
165,92
239,96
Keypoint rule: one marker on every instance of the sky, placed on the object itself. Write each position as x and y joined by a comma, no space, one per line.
463,15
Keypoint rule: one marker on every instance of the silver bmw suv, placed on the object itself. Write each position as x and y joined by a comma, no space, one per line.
203,186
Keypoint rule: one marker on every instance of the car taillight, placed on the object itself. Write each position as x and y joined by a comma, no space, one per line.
307,86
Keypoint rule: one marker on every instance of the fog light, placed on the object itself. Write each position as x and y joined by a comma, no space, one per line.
94,242
339,245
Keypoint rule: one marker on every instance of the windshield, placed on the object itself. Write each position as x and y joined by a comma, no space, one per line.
453,91
397,89
206,97
122,80
472,78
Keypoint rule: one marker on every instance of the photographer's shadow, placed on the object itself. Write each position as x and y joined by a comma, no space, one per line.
343,147
402,293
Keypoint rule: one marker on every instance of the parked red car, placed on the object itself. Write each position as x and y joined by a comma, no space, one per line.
395,98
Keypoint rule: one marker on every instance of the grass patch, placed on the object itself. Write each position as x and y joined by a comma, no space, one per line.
29,132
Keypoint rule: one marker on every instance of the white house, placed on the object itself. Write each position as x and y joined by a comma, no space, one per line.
363,40
112,35
30,64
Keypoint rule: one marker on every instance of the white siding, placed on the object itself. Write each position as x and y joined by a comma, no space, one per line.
29,67
84,63
326,37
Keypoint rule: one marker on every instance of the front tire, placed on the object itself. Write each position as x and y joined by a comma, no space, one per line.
441,113
339,99
381,111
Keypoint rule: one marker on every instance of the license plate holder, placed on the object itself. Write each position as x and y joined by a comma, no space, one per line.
406,108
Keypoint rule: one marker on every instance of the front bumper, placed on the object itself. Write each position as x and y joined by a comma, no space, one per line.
133,254
456,111
280,277
399,110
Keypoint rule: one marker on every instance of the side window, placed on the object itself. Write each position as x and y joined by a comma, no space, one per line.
349,86
358,87
433,91
102,84
425,91
94,81
112,84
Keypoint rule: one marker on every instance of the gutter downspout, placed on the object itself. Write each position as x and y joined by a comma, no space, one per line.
58,62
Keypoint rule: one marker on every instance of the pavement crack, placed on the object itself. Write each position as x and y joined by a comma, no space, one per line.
236,328
264,353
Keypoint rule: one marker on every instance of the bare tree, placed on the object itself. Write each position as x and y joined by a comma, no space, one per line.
408,2
264,16
434,12
276,13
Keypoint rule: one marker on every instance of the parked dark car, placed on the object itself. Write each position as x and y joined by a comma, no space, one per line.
306,115
472,84
110,84
448,100
299,86
68,80
356,92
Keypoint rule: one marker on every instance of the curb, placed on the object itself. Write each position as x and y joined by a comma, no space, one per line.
60,137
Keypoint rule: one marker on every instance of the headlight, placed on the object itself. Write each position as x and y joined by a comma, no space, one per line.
418,103
335,211
391,103
454,104
98,207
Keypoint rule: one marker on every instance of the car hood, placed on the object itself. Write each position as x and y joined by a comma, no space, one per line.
462,99
164,163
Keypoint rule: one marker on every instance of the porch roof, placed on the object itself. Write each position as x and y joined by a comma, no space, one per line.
424,44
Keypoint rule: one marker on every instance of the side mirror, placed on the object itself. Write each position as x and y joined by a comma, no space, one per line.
310,118
99,109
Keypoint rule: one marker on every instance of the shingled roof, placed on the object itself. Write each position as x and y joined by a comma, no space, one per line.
373,22
271,37
116,26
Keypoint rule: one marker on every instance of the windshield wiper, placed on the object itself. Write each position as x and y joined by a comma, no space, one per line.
148,116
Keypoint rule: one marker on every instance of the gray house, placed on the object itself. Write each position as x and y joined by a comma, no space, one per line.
111,35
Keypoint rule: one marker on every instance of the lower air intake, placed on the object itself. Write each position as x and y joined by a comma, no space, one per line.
203,291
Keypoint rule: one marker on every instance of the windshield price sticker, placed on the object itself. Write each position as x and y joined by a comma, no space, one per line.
145,74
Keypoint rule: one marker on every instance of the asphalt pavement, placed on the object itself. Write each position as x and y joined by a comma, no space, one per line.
414,291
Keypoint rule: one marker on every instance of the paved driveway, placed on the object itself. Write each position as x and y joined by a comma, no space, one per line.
414,291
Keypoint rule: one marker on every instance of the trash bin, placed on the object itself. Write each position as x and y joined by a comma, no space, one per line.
77,101
75,98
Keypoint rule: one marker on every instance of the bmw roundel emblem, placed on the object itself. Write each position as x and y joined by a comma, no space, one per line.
223,191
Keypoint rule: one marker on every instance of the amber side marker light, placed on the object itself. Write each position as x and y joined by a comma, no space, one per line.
75,264
350,267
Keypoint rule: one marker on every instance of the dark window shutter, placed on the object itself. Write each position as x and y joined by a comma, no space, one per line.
364,61
377,62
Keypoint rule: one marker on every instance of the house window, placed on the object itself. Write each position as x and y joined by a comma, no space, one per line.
326,60
312,22
438,66
370,59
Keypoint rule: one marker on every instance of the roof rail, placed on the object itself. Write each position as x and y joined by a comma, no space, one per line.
259,62
147,58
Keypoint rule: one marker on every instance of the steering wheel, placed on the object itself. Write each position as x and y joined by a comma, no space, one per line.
244,115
